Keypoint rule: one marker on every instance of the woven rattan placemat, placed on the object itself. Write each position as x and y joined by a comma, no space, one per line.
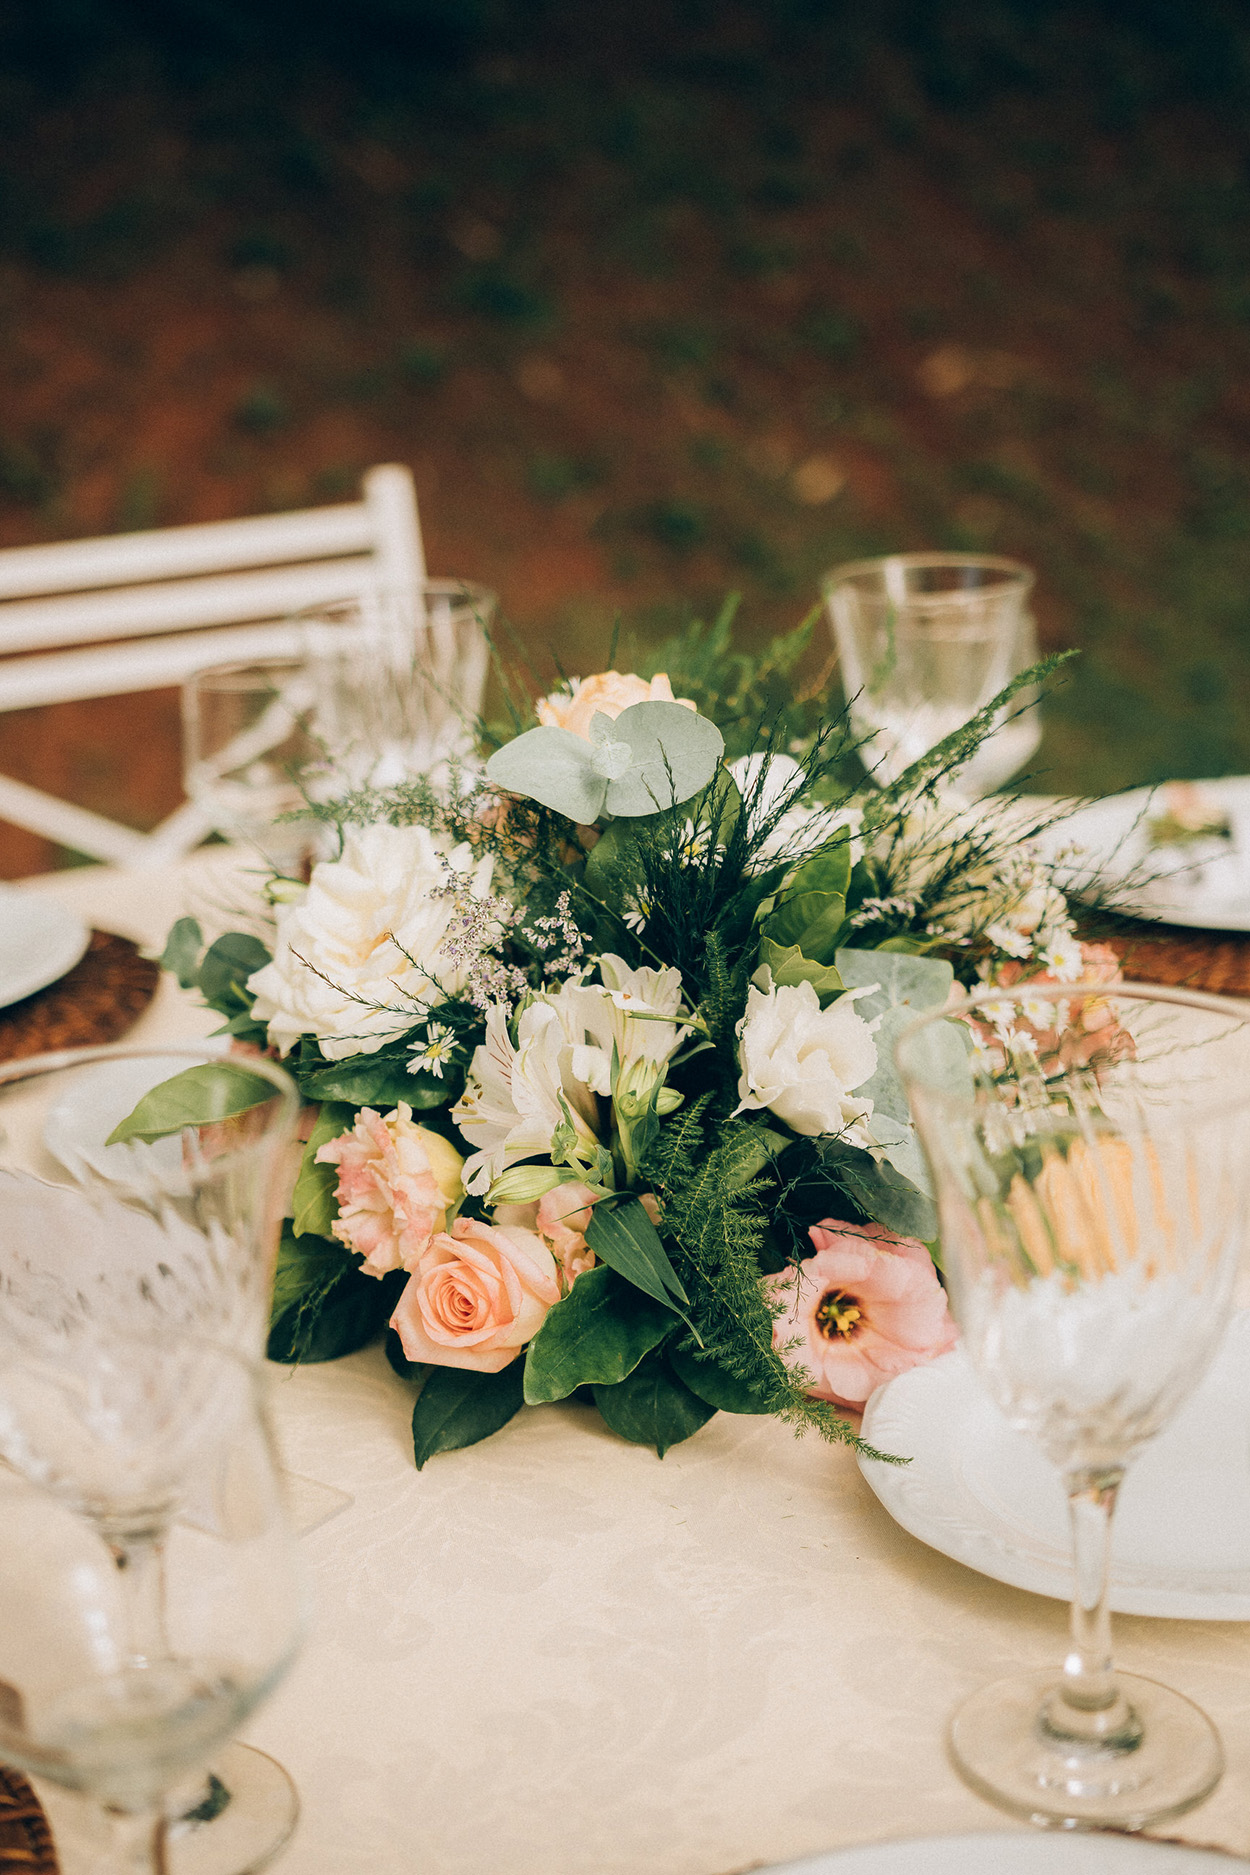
26,1846
97,1001
1196,960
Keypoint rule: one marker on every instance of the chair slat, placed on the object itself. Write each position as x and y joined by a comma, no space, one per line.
136,611
185,552
148,664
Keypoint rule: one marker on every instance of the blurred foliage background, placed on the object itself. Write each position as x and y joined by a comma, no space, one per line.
660,299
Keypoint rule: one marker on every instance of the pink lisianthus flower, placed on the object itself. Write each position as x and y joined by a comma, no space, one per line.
396,1181
606,694
867,1306
479,1293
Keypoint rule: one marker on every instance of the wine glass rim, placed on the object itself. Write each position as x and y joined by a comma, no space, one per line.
1016,574
52,1061
1089,990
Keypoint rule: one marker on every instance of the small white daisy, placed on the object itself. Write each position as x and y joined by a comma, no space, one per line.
1013,943
430,1055
1063,957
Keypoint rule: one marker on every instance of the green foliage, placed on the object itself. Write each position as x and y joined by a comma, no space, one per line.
457,1407
597,1334
738,689
627,1241
652,756
200,1096
652,1406
713,1383
380,1081
220,975
323,1306
313,1204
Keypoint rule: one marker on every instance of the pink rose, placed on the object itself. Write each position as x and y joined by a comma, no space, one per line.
606,694
867,1306
395,1183
478,1295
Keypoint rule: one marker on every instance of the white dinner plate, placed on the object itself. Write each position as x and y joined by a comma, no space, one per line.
983,1494
39,941
1014,1853
1116,860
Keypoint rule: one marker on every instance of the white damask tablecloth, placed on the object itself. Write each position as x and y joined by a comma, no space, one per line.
554,1654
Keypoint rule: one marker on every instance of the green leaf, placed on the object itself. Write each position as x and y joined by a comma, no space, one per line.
812,920
828,870
457,1406
598,1333
881,1190
226,968
652,1406
789,966
314,1207
714,1384
379,1081
199,1096
323,1307
181,954
627,1241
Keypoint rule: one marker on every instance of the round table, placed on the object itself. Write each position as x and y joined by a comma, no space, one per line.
554,1654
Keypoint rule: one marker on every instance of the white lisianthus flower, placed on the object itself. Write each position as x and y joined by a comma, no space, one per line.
804,1062
360,955
802,830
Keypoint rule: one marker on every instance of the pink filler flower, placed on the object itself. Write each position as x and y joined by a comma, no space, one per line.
867,1306
396,1180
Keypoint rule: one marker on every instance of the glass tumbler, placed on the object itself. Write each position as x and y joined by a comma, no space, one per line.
248,734
1088,1145
925,640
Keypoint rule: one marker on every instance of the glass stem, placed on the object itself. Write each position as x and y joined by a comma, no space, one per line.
1087,1710
139,1556
140,1842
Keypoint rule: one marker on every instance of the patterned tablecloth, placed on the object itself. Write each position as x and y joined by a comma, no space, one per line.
554,1654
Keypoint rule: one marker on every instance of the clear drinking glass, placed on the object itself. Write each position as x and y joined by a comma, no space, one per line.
122,1682
247,735
399,678
167,1245
925,640
1092,1173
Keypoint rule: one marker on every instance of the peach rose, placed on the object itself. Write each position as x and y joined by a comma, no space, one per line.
478,1295
396,1180
606,695
867,1306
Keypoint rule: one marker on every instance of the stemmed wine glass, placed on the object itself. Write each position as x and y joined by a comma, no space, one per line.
158,1451
163,1243
1090,1147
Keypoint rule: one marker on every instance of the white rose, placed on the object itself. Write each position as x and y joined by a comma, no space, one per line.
361,954
803,1061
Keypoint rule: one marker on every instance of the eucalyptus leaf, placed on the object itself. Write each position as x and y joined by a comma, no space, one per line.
598,1333
198,1096
458,1406
653,756
627,1240
714,1384
181,954
652,1406
313,1204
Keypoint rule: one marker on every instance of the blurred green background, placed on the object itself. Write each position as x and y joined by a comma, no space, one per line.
658,301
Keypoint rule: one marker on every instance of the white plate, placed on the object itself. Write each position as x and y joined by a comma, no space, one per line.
1116,860
983,1494
39,942
96,1098
1017,1853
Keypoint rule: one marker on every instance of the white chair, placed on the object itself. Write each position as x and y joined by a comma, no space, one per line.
131,612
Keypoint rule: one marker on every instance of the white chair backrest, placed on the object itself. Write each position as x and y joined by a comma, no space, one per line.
127,612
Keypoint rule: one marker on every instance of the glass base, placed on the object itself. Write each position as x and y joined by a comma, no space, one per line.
245,1816
1018,1743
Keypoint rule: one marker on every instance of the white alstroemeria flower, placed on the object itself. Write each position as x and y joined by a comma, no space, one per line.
802,830
804,1062
515,1098
360,955
633,1011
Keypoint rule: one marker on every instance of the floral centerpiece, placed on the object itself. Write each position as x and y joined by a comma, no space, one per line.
596,1048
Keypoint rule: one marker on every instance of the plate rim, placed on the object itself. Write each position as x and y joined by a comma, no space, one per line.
996,1840
974,1540
1178,916
50,917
